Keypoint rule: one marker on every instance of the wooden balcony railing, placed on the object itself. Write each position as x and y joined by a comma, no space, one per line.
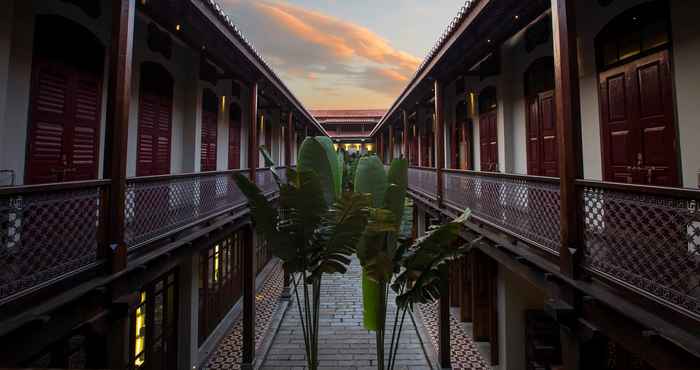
48,232
642,238
645,238
158,205
524,206
423,180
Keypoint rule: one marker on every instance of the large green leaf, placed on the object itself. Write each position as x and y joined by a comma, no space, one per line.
313,157
371,178
332,156
419,281
395,198
371,303
338,234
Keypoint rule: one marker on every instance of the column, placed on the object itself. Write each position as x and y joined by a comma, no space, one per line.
439,139
248,299
404,117
119,97
253,154
570,165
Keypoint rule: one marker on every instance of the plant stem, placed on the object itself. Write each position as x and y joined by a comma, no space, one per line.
394,351
301,317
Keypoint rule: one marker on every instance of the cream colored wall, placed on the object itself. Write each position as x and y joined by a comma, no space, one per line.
515,295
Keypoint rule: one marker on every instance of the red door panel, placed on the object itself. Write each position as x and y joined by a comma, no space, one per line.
234,145
209,134
533,136
638,132
155,122
548,129
488,133
64,125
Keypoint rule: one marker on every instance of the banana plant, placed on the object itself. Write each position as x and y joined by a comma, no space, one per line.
390,259
314,229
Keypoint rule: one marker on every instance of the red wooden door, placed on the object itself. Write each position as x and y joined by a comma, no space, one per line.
638,131
488,133
234,145
64,127
210,118
155,122
542,143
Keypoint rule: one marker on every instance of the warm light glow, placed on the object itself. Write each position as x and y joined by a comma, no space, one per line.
336,147
472,104
223,103
369,147
347,147
216,263
178,27
357,146
140,332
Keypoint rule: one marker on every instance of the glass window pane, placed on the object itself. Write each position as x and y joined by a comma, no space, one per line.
655,35
158,311
630,45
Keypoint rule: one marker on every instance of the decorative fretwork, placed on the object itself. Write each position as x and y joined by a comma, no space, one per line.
646,241
527,207
45,235
163,204
423,180
266,181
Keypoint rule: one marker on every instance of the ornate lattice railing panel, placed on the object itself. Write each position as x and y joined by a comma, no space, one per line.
645,240
423,180
528,207
48,233
155,206
265,180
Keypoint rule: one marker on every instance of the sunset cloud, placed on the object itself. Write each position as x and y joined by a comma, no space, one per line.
319,53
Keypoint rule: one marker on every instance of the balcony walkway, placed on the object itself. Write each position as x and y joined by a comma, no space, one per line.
344,343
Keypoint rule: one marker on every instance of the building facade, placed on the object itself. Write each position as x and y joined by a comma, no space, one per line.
568,128
350,128
123,239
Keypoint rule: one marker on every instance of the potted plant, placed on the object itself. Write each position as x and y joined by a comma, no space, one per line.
314,229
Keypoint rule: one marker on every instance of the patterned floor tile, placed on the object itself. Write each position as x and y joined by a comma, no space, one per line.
464,354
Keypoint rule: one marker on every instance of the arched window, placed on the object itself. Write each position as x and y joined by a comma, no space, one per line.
488,100
539,76
155,120
639,31
65,102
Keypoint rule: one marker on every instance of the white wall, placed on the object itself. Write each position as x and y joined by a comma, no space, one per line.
5,44
515,295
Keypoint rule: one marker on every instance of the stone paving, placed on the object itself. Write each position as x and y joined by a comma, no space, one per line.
343,342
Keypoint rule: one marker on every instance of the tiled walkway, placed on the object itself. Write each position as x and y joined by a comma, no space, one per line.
344,343
228,352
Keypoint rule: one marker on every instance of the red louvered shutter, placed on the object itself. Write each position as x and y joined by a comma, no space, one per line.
155,121
209,131
64,124
234,139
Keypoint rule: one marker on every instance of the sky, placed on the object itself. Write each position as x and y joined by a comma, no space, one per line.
343,54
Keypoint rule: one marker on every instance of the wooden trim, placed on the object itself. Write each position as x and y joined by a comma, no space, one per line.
55,187
508,176
682,193
249,264
142,179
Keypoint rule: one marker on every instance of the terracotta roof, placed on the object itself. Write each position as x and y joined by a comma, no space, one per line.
348,113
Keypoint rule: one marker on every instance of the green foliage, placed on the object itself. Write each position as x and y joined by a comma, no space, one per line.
314,157
419,280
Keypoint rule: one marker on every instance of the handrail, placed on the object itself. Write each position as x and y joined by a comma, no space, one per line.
424,168
181,176
60,186
502,175
684,193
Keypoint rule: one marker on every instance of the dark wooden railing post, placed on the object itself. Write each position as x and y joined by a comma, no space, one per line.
444,318
568,114
117,131
391,144
404,118
249,267
253,158
286,294
439,139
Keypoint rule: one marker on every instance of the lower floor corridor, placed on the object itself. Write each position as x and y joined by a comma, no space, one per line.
344,343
